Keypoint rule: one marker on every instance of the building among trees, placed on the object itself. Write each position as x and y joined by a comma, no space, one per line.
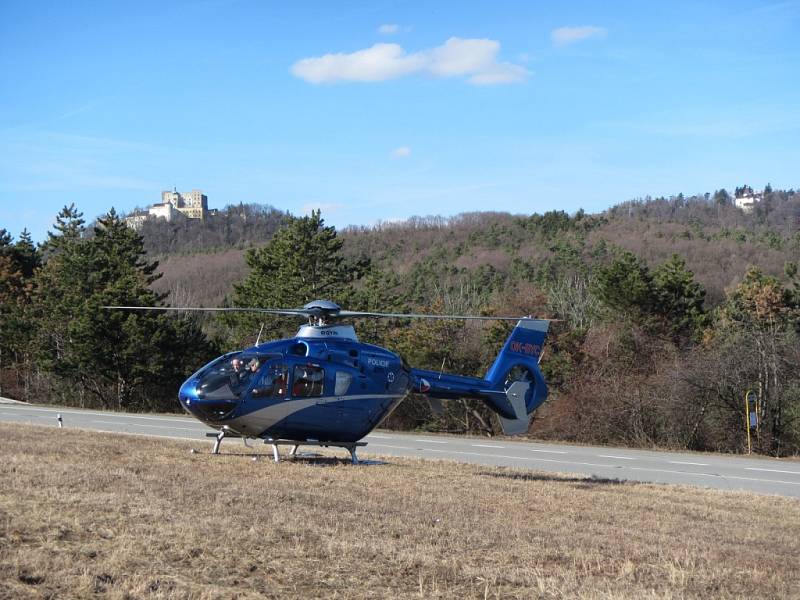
745,198
174,204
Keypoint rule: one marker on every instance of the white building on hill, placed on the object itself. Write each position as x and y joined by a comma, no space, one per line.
174,204
745,198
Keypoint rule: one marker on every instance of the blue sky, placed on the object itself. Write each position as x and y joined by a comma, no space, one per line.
383,110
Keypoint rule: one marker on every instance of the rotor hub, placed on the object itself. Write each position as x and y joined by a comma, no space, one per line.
322,312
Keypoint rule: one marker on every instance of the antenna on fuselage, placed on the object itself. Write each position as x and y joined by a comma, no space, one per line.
260,331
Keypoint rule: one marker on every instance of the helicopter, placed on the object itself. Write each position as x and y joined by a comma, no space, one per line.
324,387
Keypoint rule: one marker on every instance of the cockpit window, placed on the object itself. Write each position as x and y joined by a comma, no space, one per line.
308,381
273,383
229,377
342,384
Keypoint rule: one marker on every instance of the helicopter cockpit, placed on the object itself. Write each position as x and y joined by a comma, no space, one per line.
217,390
229,377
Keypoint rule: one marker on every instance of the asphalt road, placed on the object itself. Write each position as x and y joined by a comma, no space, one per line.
760,475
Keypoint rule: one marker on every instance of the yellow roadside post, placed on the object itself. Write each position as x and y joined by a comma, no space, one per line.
750,416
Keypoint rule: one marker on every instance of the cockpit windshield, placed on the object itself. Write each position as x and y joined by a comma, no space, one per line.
230,376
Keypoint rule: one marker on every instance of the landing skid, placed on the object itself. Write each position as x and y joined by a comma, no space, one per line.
295,444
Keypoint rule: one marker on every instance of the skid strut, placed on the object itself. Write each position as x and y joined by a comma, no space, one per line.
351,447
295,444
219,437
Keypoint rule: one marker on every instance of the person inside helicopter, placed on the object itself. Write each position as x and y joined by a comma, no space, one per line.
229,377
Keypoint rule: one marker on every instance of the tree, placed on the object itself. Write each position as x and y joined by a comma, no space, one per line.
28,256
18,262
302,262
68,229
625,285
667,300
722,197
678,299
119,359
757,340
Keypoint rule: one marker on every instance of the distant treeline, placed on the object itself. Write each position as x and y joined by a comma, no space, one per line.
669,311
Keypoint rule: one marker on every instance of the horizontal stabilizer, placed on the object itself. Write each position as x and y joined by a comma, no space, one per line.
515,426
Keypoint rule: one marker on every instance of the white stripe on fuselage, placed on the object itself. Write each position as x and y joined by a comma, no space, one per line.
255,422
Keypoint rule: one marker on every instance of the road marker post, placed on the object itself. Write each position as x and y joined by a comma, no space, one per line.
751,410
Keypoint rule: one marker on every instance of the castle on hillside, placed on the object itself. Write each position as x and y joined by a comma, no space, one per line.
174,204
745,198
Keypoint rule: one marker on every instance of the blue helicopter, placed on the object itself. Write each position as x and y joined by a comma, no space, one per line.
323,387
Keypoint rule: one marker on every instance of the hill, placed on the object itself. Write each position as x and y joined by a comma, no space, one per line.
487,250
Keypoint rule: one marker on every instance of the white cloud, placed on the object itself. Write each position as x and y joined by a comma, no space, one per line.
401,152
389,29
378,63
462,57
475,59
499,73
568,35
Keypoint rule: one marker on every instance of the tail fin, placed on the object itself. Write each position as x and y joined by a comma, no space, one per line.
516,374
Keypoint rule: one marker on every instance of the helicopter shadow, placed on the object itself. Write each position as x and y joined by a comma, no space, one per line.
312,458
588,482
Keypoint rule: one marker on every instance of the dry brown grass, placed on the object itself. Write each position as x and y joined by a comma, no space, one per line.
85,513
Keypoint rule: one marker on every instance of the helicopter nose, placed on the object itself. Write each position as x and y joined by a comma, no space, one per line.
207,410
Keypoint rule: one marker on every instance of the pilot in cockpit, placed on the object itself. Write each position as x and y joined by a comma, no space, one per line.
238,375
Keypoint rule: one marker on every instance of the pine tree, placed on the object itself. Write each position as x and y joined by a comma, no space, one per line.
668,301
302,262
28,255
626,285
69,229
121,359
678,299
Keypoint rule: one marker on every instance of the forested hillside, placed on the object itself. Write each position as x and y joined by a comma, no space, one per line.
235,226
718,241
667,310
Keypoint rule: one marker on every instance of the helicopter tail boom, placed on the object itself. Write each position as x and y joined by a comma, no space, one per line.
513,387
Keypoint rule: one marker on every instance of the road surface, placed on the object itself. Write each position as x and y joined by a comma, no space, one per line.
760,475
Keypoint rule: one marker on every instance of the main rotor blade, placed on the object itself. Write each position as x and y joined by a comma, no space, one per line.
299,312
303,312
356,314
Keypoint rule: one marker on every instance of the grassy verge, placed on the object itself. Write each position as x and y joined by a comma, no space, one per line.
88,513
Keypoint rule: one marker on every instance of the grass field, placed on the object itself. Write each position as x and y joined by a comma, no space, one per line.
85,514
